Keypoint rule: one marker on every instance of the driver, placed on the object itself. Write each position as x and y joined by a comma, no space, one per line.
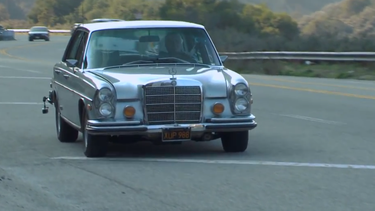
174,45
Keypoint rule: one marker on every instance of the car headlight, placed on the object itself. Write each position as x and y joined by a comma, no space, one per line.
105,95
241,104
106,109
241,89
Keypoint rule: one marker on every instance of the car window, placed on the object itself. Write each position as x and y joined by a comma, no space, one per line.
76,47
121,46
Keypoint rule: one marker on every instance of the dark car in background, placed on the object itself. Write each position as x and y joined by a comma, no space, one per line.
2,29
6,34
39,33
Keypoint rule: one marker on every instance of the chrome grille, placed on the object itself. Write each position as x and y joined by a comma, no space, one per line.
168,105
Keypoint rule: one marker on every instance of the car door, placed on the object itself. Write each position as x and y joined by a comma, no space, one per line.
64,73
76,81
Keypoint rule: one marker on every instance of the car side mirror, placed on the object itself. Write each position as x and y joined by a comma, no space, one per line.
71,62
223,58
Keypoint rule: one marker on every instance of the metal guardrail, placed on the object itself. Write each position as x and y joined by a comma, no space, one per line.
295,55
277,55
51,30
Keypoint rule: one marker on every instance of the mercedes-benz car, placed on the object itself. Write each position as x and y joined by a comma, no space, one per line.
39,33
159,81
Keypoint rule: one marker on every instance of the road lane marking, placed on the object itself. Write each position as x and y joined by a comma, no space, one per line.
24,77
232,162
20,103
312,83
314,91
312,119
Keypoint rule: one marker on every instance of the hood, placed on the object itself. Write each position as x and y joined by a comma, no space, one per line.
127,81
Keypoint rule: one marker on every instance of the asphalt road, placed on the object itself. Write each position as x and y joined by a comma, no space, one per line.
314,149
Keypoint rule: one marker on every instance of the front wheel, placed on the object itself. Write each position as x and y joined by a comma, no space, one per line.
235,141
95,145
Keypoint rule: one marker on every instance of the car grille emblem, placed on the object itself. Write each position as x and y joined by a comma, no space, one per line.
173,72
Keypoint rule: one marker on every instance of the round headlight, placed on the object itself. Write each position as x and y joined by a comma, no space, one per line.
105,94
241,104
241,89
106,109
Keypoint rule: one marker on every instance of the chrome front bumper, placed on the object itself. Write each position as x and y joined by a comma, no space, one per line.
97,127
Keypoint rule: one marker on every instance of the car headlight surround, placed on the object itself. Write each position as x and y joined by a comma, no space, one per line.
240,99
105,102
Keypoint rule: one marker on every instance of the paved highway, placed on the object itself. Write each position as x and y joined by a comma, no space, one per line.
314,149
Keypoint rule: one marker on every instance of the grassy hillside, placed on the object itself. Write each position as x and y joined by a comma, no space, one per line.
350,18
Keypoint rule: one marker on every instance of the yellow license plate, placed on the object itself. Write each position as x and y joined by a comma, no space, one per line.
170,134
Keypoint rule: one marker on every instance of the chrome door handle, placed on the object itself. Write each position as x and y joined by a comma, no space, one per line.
57,71
66,76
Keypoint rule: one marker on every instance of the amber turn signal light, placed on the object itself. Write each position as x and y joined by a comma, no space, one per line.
218,108
129,112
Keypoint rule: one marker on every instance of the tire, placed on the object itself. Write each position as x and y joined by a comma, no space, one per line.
235,141
47,39
31,40
65,132
94,145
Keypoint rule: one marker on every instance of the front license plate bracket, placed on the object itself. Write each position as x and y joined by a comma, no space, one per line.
176,134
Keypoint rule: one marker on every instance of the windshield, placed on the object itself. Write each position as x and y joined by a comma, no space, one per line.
152,45
39,29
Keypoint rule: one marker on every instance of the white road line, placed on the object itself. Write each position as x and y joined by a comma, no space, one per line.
312,119
233,162
24,77
20,103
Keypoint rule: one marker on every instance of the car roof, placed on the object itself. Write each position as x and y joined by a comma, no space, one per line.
139,24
